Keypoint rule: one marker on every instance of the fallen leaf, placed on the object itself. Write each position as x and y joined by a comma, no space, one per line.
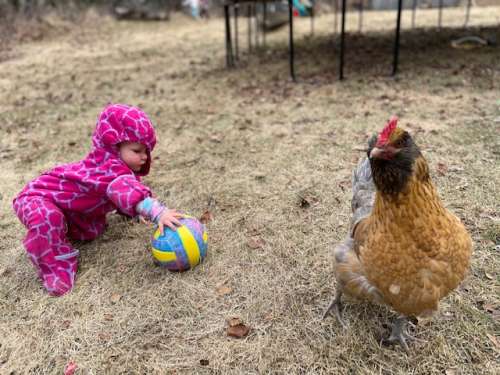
108,317
234,322
488,275
451,371
442,168
238,331
115,298
256,243
70,368
494,340
223,290
206,217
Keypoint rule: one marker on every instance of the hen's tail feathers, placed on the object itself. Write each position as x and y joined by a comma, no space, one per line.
363,192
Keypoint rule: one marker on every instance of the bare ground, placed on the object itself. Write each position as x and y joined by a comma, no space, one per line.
276,159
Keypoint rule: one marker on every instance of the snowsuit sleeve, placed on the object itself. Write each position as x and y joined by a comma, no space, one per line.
126,192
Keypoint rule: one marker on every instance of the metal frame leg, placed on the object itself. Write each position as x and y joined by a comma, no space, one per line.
413,13
290,40
467,12
360,18
264,19
236,11
342,41
336,16
440,14
249,28
396,42
229,46
312,19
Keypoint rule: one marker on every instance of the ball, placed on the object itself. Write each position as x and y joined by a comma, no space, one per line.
183,248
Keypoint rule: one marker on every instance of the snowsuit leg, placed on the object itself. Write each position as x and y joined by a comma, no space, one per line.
55,260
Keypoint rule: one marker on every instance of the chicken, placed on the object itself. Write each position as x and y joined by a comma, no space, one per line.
404,249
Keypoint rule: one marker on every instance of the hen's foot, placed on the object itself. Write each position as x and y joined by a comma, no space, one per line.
336,307
399,334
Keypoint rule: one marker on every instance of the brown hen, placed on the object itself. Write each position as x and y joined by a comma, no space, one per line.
405,249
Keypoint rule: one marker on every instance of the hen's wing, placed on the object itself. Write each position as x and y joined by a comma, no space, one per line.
349,269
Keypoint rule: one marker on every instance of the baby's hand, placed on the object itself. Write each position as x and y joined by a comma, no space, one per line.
169,218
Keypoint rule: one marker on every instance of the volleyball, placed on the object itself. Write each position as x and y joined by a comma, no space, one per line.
183,248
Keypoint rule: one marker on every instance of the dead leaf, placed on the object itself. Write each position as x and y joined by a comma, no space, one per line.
494,340
104,336
442,168
489,276
451,371
206,217
234,322
108,317
70,368
256,243
115,298
238,330
223,290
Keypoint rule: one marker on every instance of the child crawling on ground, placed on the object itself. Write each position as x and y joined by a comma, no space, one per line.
71,201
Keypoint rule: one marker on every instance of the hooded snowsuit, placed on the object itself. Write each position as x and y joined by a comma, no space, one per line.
71,201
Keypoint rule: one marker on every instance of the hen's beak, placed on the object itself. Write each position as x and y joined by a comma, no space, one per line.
376,152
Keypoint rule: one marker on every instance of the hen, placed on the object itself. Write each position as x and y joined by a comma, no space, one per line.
404,250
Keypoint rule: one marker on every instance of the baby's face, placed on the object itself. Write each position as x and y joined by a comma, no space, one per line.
133,154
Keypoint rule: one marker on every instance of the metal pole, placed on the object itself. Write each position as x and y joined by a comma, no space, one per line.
360,19
249,29
467,12
312,17
264,19
335,19
396,44
440,13
229,48
256,25
236,12
290,39
413,13
342,41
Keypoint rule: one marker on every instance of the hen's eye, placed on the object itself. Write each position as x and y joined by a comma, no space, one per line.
399,143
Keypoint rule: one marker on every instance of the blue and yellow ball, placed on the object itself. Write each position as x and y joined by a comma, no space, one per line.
183,248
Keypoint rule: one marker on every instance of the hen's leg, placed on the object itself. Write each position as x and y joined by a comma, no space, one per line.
399,334
336,306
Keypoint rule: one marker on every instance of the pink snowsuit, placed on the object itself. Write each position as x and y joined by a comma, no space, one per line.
71,201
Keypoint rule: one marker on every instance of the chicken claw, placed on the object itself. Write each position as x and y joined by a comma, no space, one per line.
399,334
336,306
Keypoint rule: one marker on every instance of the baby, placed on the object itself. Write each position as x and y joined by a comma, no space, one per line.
71,201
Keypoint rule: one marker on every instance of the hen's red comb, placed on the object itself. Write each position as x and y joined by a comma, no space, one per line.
386,132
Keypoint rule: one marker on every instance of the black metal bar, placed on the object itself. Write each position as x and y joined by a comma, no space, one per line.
264,19
413,13
396,43
440,13
249,29
342,41
236,13
467,12
312,18
335,20
360,19
229,48
290,39
256,25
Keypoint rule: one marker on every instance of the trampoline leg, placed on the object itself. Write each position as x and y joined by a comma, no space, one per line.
396,42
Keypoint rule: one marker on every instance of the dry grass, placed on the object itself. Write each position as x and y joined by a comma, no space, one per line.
255,143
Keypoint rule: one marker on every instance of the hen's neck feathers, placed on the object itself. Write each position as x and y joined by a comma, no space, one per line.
418,198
